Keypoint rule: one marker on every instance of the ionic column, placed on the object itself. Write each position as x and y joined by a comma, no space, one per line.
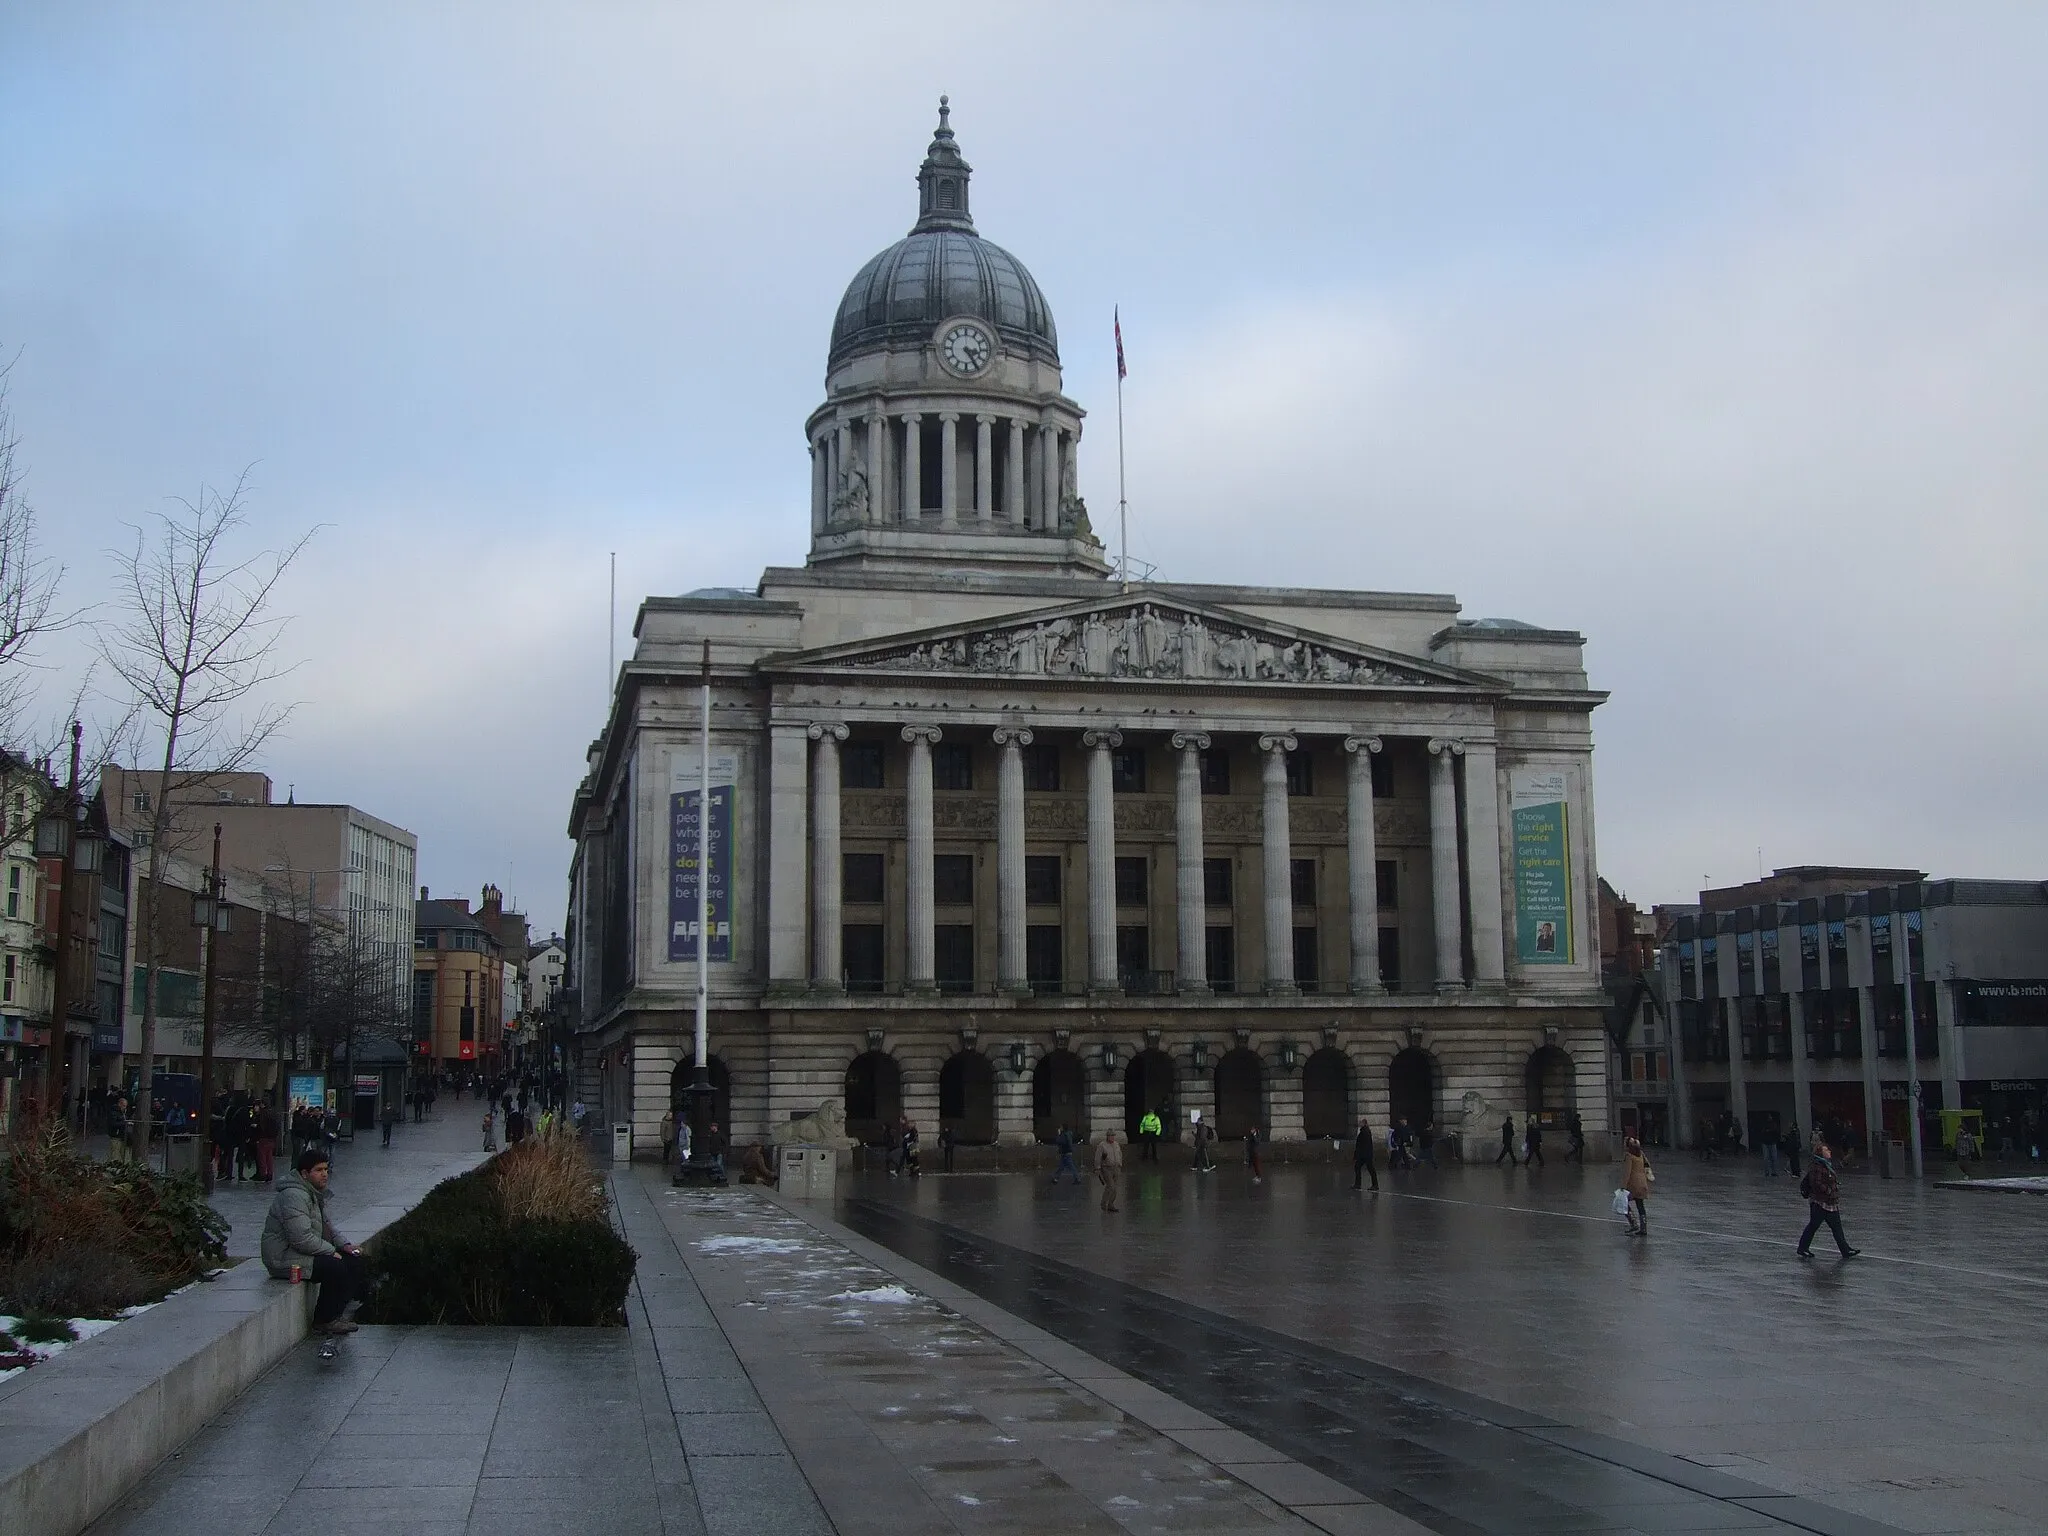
1101,860
1482,865
1364,872
818,501
1279,865
920,968
787,751
949,469
1010,976
1443,864
913,467
984,469
1191,894
842,454
878,467
827,974
1013,477
1049,477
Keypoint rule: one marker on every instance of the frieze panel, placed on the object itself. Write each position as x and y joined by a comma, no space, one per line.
872,813
1146,640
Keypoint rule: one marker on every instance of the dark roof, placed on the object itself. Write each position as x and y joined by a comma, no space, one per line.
429,916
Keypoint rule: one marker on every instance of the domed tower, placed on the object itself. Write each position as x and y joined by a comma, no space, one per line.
944,438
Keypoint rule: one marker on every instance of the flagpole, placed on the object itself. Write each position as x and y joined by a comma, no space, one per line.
1123,505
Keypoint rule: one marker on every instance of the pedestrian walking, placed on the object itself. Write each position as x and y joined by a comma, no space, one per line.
1507,1143
1532,1143
1204,1133
1065,1142
911,1167
945,1147
714,1150
668,1136
1635,1178
1148,1136
1109,1168
1251,1154
266,1143
1822,1187
1770,1157
1788,1148
1425,1142
387,1117
490,1129
1576,1129
1361,1158
1394,1148
1966,1148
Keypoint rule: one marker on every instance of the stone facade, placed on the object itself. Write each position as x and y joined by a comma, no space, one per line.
1002,840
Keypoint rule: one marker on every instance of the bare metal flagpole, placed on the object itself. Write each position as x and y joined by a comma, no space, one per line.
700,1165
611,634
1123,505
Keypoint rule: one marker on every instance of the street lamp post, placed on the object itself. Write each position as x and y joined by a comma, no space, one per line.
702,1167
209,912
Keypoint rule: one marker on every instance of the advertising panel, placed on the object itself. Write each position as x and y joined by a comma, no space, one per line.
683,810
1538,804
308,1088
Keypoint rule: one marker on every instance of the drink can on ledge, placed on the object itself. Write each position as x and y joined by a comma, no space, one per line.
298,1275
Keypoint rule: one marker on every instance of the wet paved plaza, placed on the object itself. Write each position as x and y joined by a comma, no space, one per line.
1442,1339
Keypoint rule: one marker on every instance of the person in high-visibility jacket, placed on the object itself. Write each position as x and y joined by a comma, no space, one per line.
1148,1136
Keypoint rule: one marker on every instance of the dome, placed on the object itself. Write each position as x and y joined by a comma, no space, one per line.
930,275
942,268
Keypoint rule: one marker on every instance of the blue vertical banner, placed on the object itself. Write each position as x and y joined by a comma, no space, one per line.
684,794
1545,899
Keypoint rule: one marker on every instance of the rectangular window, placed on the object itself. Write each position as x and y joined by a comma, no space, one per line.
1838,953
1745,964
1215,773
860,878
953,879
1809,957
1307,970
1220,945
953,956
1390,959
1301,777
1688,971
1127,770
860,765
1301,882
7,983
860,953
1131,881
1133,953
1042,956
1041,880
423,1004
1710,967
1767,957
468,1022
1042,768
1382,777
1216,882
1386,879
952,766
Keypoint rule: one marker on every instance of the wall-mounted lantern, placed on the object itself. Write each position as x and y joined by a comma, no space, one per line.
1288,1056
1198,1055
1019,1057
1109,1058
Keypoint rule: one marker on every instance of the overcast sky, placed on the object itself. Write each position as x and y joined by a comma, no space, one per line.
1721,337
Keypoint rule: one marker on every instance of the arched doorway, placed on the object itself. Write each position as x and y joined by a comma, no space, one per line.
721,1085
967,1098
1151,1083
874,1097
1550,1085
1326,1095
1059,1096
1411,1088
1240,1094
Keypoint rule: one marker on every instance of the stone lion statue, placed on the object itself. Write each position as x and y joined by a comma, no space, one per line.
1481,1113
824,1127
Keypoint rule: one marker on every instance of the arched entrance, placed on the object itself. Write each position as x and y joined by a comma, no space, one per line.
1240,1094
721,1085
967,1098
1326,1095
874,1097
1059,1096
1150,1083
1550,1085
1411,1088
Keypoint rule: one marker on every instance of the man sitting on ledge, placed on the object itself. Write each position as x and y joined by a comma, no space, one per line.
297,1231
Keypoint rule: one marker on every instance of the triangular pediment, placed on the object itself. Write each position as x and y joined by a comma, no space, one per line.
1136,637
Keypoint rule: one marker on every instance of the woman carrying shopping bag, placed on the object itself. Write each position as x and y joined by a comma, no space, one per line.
1635,1180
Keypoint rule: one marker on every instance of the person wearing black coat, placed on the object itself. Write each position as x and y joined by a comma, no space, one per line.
1361,1158
1507,1142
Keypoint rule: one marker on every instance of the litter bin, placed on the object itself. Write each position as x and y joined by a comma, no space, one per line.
1897,1165
622,1141
809,1173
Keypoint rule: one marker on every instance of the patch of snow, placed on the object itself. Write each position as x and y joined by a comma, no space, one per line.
760,1245
881,1295
1123,1501
968,1498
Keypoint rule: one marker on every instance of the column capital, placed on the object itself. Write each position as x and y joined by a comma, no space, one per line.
1102,740
928,734
1362,744
818,730
1185,741
1278,741
1446,747
949,416
913,417
1011,735
983,418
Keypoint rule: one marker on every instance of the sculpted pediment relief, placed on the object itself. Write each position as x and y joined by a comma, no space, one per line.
1139,639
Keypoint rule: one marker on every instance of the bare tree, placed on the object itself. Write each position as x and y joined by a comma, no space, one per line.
193,642
29,581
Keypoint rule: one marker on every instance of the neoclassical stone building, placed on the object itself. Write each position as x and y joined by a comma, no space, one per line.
1001,841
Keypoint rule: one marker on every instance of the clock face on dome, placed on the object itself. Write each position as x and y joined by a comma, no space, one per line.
966,348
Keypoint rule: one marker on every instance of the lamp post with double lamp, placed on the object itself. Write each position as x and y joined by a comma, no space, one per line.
76,848
210,911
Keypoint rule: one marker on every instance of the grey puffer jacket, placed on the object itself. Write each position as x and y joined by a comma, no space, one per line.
297,1230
